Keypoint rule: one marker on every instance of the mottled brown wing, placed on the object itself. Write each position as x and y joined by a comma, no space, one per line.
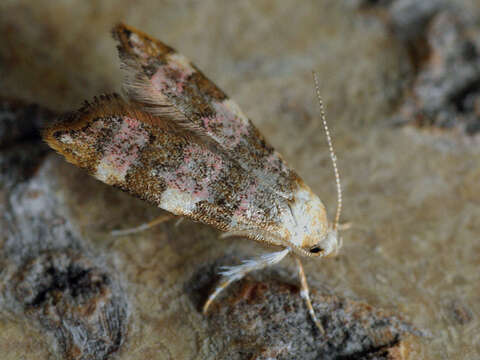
159,162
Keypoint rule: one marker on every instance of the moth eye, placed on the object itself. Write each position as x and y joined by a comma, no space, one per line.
316,249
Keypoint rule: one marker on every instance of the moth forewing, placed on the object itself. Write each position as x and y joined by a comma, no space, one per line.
154,159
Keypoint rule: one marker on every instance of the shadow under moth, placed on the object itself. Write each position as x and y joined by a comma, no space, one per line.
179,142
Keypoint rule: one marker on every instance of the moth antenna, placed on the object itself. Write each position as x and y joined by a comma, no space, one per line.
330,148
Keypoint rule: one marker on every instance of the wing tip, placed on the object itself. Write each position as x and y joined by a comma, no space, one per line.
129,46
105,105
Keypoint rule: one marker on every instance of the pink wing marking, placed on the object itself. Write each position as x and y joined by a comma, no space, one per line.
184,177
123,151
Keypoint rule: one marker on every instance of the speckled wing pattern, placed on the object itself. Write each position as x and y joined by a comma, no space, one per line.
167,84
182,144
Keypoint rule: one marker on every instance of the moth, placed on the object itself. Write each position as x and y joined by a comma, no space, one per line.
179,142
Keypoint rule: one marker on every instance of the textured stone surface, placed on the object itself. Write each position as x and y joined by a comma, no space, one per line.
442,41
48,278
413,197
261,320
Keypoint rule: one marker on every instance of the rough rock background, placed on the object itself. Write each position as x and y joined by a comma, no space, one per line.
412,195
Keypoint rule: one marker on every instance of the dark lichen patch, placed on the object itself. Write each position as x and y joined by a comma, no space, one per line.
20,162
20,121
269,317
22,150
447,85
70,297
59,277
442,43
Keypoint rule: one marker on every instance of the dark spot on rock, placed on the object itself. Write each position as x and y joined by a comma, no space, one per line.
441,41
67,293
20,121
469,50
252,311
20,162
462,100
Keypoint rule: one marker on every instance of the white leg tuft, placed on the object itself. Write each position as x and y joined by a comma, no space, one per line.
233,273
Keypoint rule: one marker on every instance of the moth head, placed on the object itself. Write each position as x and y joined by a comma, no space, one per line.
328,246
310,233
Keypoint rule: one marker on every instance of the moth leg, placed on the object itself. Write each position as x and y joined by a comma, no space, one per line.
179,221
305,293
345,226
233,273
161,219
